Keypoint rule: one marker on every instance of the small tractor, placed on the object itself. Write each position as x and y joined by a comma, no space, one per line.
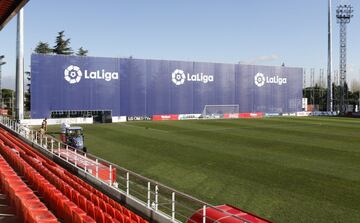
74,137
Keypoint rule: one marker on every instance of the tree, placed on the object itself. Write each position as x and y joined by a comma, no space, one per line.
62,45
28,93
8,99
82,52
43,47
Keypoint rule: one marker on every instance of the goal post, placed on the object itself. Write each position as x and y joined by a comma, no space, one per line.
218,111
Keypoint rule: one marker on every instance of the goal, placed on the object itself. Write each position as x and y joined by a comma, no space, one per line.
218,111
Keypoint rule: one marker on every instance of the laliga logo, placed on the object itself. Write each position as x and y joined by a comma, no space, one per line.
73,75
260,80
178,77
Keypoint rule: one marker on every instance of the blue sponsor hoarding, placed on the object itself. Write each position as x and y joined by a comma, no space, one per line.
138,87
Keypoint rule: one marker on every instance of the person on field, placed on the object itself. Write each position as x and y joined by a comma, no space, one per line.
64,126
44,125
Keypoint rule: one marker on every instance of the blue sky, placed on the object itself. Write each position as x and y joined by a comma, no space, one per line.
267,32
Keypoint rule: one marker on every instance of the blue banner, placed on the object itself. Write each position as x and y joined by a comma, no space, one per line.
136,87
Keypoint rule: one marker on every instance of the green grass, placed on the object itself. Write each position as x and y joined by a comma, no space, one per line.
283,169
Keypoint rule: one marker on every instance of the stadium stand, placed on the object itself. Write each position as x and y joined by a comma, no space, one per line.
28,206
63,195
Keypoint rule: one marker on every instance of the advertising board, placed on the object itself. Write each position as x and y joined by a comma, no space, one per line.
143,88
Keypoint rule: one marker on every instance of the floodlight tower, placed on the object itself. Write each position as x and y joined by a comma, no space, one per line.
329,98
343,14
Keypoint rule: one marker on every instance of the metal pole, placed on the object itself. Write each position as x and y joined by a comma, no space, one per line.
59,149
127,183
329,99
52,146
20,66
204,214
97,168
110,175
173,206
156,197
76,156
67,153
149,194
85,163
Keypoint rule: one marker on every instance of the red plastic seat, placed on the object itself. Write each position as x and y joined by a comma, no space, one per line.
110,210
88,219
90,209
75,197
119,216
68,191
105,198
95,200
82,202
31,207
102,204
43,217
99,216
68,206
126,212
135,217
61,201
77,214
108,218
127,219
119,207
112,202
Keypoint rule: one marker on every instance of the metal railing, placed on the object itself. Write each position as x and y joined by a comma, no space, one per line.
173,205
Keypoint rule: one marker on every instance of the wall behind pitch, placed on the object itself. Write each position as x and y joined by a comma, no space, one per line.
146,87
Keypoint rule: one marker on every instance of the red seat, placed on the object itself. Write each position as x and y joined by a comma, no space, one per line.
126,212
90,209
32,207
99,216
95,200
127,219
119,216
68,191
82,202
108,218
43,217
61,201
88,219
75,197
68,206
110,210
77,214
112,202
119,207
105,198
135,217
102,205
23,197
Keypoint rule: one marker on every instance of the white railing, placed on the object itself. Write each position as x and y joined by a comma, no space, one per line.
173,205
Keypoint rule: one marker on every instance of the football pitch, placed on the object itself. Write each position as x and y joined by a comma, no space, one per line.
284,169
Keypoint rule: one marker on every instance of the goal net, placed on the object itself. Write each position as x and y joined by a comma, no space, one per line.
218,111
